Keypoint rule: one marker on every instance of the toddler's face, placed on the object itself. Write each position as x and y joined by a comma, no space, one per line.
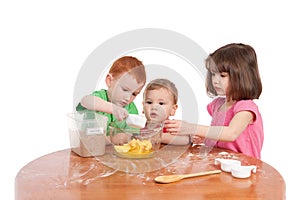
123,90
158,105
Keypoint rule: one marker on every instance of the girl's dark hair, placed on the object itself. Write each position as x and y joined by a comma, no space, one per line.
240,62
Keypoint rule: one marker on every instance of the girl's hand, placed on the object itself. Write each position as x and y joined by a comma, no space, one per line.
178,127
172,126
119,112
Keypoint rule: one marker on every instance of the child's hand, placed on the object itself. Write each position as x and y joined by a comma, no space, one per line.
120,139
178,127
173,127
119,112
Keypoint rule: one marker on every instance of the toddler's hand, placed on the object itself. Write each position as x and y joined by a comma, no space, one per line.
119,112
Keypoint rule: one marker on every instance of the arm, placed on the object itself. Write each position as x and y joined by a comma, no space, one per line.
167,138
223,133
95,103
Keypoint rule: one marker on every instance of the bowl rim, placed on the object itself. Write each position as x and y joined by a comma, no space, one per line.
137,131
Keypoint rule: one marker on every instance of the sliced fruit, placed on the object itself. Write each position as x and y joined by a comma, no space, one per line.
122,148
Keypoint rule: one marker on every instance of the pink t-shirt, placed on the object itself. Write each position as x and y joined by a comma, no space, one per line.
250,141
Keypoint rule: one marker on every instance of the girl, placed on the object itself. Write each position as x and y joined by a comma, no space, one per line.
233,78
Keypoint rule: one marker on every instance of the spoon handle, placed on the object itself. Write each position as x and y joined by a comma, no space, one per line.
201,174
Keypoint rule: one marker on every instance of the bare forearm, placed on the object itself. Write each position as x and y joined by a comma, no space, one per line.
222,133
227,133
175,139
95,103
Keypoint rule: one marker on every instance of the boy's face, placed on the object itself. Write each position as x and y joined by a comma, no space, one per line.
123,90
158,105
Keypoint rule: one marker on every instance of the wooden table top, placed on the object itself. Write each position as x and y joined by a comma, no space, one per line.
65,175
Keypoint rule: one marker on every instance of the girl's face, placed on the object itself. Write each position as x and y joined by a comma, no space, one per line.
122,90
220,82
158,105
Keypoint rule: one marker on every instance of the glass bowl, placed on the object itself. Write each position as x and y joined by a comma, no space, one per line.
131,142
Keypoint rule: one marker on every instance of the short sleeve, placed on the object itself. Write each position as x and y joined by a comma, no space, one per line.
101,94
246,105
132,108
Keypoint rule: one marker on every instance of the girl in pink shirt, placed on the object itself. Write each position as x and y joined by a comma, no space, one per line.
233,80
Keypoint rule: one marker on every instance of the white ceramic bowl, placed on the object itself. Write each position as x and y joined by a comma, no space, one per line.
227,164
243,171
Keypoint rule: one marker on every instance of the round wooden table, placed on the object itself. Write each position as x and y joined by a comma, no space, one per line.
65,175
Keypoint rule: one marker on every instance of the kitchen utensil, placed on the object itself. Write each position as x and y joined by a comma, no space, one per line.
178,177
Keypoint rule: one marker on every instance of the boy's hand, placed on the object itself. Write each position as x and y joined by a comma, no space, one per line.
119,112
120,139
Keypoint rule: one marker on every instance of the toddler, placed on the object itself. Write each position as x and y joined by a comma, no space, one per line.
160,102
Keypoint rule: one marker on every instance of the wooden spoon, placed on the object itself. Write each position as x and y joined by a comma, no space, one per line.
174,178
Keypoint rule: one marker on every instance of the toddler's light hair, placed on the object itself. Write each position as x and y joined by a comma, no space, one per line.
163,83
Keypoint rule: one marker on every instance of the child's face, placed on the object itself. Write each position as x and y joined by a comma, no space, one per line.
158,105
123,90
220,82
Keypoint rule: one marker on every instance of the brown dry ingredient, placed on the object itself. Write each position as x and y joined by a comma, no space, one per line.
87,145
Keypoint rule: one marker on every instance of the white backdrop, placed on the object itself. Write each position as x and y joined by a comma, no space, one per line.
43,46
